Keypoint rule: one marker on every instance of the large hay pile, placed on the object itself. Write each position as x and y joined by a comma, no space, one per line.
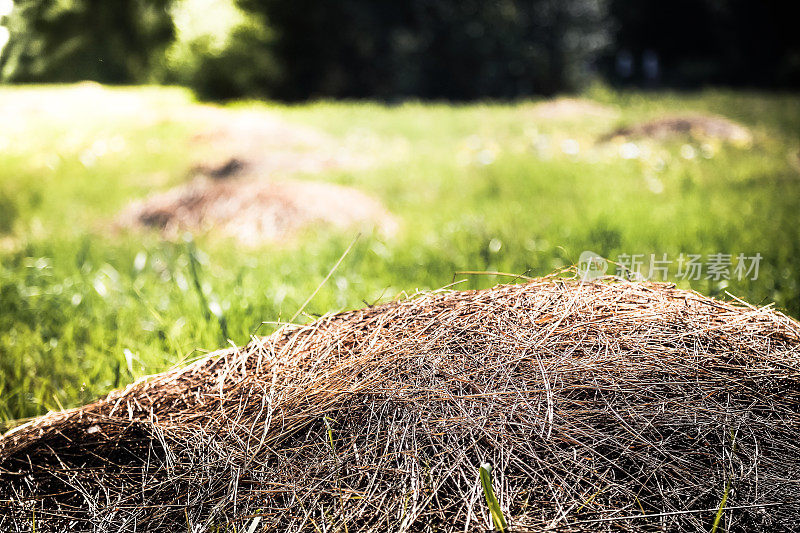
601,405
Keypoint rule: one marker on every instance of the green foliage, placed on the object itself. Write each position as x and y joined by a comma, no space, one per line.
220,51
245,66
8,213
73,40
449,49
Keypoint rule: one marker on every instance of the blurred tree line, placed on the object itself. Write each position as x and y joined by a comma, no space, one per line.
455,49
72,40
746,43
449,49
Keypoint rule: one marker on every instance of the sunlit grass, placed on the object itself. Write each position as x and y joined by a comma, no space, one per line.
487,187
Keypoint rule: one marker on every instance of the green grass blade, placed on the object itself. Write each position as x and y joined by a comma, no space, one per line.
721,509
498,518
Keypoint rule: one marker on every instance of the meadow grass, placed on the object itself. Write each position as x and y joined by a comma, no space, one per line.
484,187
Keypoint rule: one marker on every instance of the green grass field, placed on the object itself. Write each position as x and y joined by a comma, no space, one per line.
479,187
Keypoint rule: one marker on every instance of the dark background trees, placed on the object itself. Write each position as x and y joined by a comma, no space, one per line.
444,49
454,49
101,40
749,43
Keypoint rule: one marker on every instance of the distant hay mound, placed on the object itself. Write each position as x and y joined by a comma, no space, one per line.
602,406
242,162
255,211
696,125
571,108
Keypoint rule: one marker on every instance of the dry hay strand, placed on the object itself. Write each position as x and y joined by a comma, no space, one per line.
696,125
255,211
602,406
571,108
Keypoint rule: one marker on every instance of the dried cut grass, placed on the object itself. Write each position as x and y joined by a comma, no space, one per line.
255,211
602,406
697,125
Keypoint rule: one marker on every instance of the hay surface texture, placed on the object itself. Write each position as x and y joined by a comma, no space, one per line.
602,406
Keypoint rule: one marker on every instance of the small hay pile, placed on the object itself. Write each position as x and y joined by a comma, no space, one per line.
697,125
240,187
603,406
255,211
